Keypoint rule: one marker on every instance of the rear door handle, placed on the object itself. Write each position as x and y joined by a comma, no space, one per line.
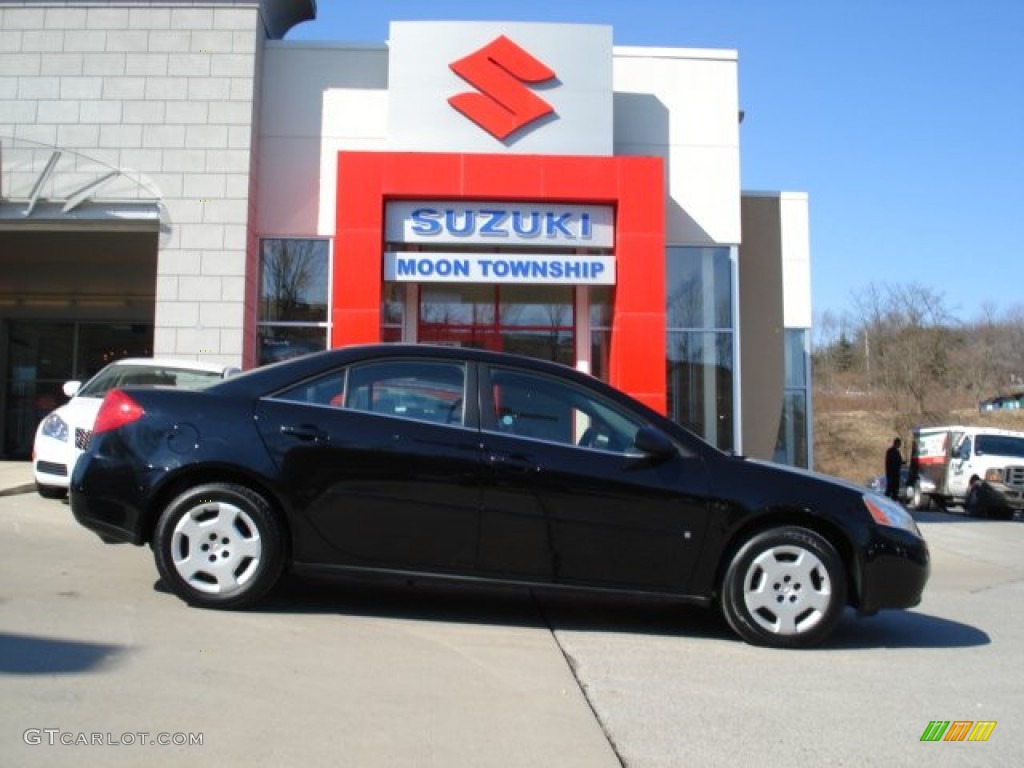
307,432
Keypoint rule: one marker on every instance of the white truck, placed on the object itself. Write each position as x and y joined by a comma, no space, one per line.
980,468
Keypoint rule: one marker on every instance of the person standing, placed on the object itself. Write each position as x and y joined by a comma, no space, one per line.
893,465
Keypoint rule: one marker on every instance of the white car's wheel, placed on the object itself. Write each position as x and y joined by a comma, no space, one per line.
785,588
219,546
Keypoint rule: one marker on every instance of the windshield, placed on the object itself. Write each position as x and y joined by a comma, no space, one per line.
147,376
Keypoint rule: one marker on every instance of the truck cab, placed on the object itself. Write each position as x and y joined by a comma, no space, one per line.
980,468
987,473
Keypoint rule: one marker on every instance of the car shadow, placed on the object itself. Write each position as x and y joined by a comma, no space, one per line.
37,655
414,600
904,629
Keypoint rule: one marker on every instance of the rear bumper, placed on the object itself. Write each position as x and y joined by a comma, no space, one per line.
114,518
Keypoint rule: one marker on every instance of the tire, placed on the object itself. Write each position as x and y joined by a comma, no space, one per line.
919,500
51,491
784,588
219,546
973,505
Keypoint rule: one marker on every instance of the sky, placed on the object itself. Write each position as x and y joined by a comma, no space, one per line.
903,120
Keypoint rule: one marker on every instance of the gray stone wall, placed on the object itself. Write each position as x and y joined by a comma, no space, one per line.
165,94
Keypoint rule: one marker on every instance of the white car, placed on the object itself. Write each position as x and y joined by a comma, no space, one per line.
63,435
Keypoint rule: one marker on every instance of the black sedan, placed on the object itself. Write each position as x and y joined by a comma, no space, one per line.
457,463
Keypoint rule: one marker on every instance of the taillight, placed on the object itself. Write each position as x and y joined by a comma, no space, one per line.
116,410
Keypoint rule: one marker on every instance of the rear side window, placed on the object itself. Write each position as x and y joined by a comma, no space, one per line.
328,389
423,390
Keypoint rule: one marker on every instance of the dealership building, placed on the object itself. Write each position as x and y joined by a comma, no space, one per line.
176,179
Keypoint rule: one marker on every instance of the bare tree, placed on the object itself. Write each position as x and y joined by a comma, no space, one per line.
909,337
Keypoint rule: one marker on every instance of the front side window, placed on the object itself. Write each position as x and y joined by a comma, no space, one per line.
542,408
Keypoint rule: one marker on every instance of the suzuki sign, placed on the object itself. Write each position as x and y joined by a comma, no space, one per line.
500,87
546,225
501,72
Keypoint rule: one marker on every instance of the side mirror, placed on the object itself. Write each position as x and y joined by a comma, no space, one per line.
653,442
71,388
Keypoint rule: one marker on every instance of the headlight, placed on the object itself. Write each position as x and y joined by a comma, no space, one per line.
54,426
994,476
889,513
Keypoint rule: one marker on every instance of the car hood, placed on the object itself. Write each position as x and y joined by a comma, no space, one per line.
805,475
80,412
762,485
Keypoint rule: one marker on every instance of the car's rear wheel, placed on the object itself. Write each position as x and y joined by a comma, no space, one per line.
219,545
784,588
920,500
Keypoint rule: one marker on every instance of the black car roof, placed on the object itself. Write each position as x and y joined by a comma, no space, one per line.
272,377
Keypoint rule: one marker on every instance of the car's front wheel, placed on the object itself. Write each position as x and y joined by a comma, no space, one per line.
973,505
784,588
219,545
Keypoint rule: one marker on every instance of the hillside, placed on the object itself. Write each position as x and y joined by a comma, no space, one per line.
852,433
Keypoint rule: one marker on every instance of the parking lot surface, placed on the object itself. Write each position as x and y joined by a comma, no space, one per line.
93,651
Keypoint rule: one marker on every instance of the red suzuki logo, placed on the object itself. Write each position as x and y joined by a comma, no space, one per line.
500,71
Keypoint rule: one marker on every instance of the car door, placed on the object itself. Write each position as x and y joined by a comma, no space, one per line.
382,460
566,498
960,465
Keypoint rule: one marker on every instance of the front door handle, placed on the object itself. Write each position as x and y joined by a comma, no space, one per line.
307,432
512,461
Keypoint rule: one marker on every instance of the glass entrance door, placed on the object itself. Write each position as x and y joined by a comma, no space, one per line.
42,355
533,320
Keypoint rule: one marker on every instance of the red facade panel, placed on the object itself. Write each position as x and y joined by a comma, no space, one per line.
633,185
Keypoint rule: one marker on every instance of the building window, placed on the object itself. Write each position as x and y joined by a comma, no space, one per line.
794,440
532,320
293,298
600,304
701,346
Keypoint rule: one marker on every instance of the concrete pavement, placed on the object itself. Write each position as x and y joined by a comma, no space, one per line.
374,674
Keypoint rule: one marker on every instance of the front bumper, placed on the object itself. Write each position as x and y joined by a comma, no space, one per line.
52,462
894,570
1001,495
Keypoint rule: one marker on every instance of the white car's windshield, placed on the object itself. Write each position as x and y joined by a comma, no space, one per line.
147,376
